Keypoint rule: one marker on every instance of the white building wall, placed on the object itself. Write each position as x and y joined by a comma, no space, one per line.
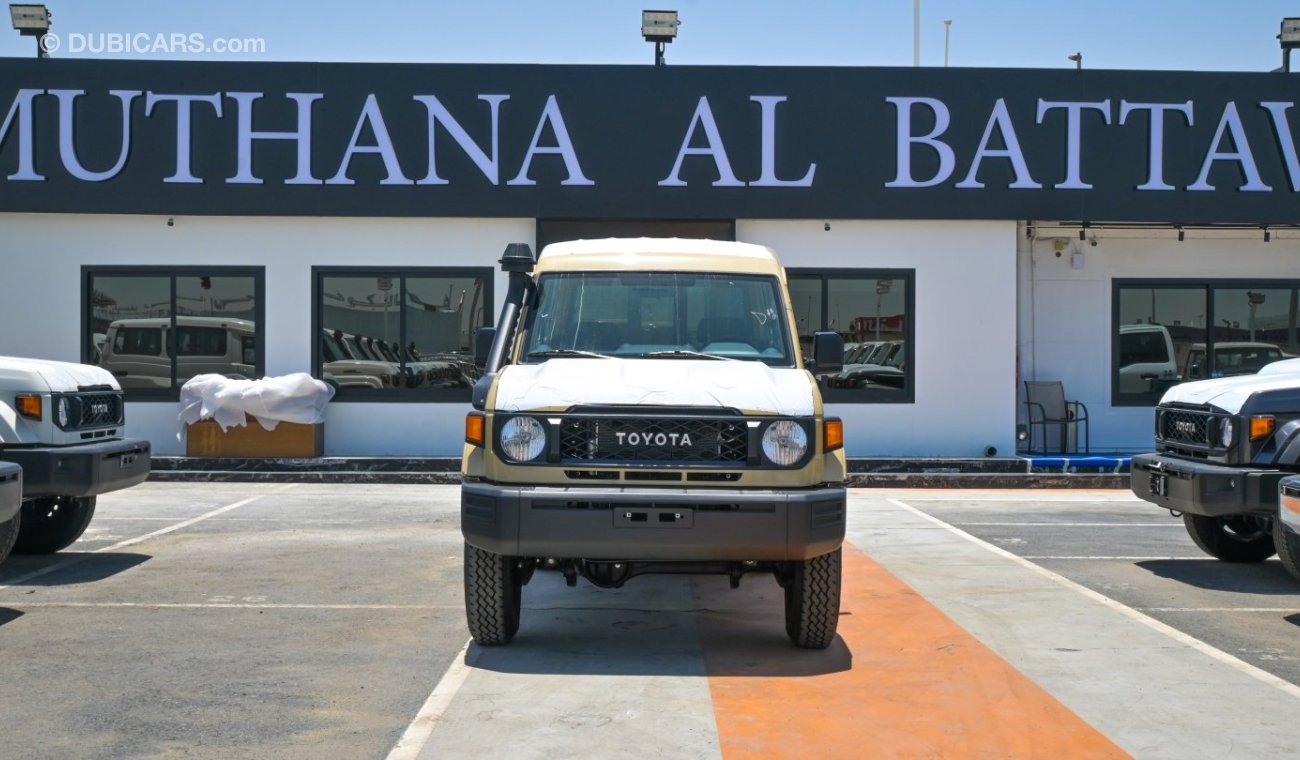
41,256
965,327
1065,317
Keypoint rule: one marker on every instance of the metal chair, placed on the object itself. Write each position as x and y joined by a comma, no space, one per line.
1050,410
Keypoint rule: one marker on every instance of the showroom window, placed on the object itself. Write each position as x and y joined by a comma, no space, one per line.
1172,331
156,327
399,334
873,309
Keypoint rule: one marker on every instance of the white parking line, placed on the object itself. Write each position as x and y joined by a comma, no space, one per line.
1173,633
1218,609
228,606
74,559
1037,557
417,734
1072,524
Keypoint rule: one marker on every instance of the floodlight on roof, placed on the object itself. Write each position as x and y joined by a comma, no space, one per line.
659,27
1289,38
31,21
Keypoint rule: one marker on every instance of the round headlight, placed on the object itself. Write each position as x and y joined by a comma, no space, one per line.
62,410
1225,432
522,438
785,442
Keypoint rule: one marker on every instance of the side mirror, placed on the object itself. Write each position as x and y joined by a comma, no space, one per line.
827,353
483,339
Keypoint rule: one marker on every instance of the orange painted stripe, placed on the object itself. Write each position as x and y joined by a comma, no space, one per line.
903,680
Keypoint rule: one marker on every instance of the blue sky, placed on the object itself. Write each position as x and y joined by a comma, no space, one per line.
1200,35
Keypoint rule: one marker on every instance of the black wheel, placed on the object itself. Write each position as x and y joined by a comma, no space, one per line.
9,534
1238,538
51,523
492,596
1288,547
812,601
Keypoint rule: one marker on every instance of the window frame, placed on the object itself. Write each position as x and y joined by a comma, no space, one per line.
908,276
1208,286
90,271
399,274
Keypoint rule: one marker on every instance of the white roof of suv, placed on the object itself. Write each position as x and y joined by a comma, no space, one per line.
663,254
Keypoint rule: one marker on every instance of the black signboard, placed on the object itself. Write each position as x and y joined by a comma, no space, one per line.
166,137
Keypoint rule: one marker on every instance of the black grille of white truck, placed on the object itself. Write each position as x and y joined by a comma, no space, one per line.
1185,426
96,410
614,440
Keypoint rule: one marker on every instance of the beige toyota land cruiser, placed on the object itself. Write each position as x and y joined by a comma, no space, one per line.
645,409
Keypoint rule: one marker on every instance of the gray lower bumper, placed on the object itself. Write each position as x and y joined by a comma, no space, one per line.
81,470
11,490
653,524
1204,489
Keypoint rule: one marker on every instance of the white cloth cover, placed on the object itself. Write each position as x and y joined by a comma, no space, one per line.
298,397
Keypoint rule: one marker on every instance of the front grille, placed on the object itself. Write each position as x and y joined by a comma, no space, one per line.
591,440
1184,426
88,410
99,409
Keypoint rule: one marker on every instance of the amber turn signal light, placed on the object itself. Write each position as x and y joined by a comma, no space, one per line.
474,426
1261,427
832,434
29,406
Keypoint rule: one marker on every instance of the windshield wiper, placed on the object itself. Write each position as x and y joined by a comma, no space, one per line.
562,352
683,353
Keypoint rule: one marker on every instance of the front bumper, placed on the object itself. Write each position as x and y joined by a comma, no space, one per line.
11,490
1200,488
81,470
653,523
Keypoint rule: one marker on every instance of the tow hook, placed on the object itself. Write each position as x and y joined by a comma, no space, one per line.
1175,513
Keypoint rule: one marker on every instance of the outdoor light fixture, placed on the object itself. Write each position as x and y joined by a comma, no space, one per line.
659,27
1078,60
1288,37
32,21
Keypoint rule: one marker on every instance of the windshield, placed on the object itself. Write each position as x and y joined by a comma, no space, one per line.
658,315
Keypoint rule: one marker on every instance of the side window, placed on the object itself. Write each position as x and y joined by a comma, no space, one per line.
399,334
154,328
200,341
142,341
873,311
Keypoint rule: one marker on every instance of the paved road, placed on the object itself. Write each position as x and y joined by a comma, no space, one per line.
262,620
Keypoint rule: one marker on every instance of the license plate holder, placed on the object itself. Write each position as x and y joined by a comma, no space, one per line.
1160,484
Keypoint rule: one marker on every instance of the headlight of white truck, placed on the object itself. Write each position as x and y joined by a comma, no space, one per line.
784,442
522,439
1225,432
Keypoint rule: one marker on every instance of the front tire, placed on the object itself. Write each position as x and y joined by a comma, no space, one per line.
9,534
51,523
1288,547
812,601
1236,538
492,596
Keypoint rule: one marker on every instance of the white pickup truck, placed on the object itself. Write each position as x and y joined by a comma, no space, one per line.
62,424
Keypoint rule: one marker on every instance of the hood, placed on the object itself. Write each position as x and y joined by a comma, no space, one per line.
60,377
745,385
1230,393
